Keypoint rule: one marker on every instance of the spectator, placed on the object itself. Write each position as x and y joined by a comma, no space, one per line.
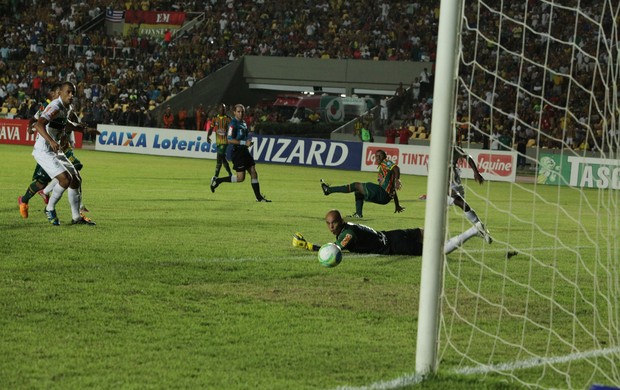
199,116
390,135
398,100
117,116
181,118
425,84
383,114
415,89
404,134
505,141
134,116
167,38
366,135
168,118
357,126
521,139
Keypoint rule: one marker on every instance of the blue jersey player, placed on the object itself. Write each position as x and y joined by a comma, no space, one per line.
239,137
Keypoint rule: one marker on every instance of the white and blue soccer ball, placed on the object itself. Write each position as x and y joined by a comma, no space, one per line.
330,255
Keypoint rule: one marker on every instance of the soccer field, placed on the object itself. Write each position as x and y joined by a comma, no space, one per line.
177,287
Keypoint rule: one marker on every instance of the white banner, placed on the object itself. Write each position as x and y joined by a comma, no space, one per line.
493,165
161,142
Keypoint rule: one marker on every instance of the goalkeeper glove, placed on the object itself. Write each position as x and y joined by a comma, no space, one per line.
300,241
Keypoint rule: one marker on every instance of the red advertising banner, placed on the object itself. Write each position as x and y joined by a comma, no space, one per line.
155,17
14,131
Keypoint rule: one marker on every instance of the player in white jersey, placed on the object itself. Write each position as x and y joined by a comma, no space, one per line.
456,196
457,191
49,155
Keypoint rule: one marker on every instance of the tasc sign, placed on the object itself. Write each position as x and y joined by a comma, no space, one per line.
576,171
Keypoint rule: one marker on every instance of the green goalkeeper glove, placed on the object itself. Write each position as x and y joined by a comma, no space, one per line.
300,242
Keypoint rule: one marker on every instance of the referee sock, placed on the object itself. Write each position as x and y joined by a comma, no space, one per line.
256,188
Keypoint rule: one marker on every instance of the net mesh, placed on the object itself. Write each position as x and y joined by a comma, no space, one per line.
540,306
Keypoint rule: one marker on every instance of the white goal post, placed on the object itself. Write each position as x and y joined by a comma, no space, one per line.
540,306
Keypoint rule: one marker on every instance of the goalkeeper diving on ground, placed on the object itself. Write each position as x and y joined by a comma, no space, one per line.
358,238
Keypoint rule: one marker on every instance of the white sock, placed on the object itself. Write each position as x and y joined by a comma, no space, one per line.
233,179
472,216
50,186
55,197
74,201
457,241
81,199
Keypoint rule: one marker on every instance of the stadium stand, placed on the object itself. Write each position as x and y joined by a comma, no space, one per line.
47,41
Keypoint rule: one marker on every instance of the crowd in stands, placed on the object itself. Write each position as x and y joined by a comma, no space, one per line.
119,78
42,45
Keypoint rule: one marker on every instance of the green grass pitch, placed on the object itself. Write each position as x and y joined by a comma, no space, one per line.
177,287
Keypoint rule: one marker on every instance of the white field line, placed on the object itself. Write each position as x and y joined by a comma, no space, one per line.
412,379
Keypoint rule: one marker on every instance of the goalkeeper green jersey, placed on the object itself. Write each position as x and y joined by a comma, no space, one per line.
358,238
362,239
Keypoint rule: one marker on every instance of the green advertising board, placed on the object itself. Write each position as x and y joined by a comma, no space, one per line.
577,171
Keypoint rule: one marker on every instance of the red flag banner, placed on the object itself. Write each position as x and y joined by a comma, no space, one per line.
155,17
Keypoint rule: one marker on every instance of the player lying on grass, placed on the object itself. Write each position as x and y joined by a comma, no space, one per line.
358,238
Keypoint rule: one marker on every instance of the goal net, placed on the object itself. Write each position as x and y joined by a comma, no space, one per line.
540,306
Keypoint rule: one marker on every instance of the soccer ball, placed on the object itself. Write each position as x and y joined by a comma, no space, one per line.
330,255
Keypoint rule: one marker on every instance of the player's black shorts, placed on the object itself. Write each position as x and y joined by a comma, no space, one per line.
405,242
242,159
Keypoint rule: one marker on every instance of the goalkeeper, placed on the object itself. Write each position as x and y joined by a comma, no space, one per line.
358,238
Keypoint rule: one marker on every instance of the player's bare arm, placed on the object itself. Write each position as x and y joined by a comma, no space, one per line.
396,172
40,126
30,129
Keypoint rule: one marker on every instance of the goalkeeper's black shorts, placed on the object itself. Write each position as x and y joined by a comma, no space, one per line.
404,242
